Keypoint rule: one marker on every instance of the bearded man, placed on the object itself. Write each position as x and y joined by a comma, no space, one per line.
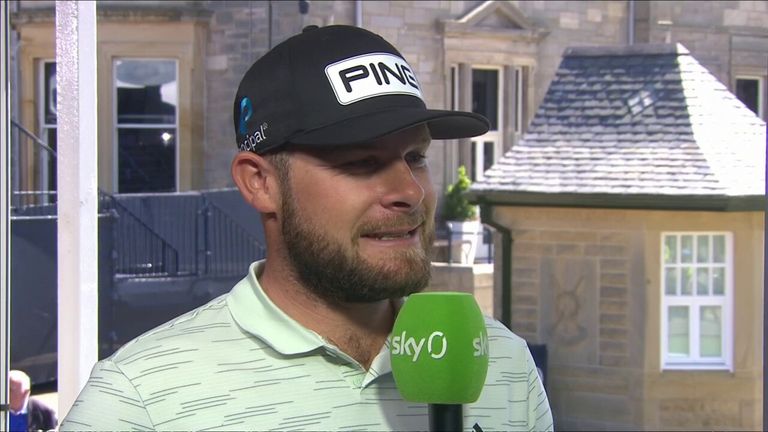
333,136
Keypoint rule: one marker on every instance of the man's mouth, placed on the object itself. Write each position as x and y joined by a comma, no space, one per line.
397,234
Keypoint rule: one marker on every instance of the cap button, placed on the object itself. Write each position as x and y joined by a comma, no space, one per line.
309,28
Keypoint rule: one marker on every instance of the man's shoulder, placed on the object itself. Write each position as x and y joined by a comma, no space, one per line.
191,329
505,345
39,406
41,416
499,332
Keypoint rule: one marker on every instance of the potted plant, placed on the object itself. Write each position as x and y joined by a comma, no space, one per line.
462,219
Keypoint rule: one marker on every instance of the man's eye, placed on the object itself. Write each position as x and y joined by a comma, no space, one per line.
416,159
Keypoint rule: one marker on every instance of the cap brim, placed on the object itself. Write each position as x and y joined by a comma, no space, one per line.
442,125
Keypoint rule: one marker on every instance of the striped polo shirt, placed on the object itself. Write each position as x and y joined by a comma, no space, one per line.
240,363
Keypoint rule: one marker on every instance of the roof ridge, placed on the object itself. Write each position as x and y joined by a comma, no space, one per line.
627,50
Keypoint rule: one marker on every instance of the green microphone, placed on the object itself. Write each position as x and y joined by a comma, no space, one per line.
439,354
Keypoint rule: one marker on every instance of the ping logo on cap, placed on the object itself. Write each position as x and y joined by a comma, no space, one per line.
371,75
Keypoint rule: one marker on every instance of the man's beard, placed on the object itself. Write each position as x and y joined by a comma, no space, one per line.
340,274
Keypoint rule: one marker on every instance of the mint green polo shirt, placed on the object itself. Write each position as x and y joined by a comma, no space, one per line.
240,363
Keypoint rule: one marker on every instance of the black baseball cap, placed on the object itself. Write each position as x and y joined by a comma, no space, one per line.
336,85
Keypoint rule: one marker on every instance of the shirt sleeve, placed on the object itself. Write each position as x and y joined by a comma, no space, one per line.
539,412
109,401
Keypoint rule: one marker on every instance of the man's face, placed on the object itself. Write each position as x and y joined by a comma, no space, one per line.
18,393
358,221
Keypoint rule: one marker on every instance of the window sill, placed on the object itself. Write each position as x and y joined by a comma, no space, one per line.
694,367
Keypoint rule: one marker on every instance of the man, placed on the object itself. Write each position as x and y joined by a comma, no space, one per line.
27,413
333,135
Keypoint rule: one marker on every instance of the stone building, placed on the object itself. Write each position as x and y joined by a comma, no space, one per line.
168,71
494,57
634,208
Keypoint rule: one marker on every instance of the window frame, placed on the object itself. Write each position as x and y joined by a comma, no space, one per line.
116,125
518,83
694,303
495,135
44,159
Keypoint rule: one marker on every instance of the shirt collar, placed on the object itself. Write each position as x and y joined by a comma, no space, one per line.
255,313
24,408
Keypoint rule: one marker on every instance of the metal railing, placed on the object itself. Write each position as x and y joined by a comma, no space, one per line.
205,238
170,217
140,250
229,248
179,235
155,235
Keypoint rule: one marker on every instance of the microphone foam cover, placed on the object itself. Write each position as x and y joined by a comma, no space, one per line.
439,348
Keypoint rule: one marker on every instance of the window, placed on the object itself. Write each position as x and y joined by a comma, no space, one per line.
146,101
486,100
47,116
485,94
749,90
697,294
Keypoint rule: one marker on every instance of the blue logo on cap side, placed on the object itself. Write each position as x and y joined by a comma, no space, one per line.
246,110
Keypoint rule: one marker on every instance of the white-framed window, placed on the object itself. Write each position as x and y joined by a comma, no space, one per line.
146,127
487,91
47,121
697,299
487,99
750,91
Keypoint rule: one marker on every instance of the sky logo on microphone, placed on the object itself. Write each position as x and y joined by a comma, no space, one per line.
480,344
437,345
425,366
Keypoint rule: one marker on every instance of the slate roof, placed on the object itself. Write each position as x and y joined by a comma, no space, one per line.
638,126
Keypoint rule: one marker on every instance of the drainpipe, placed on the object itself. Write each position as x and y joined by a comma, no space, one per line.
269,24
631,23
486,217
765,305
358,13
303,11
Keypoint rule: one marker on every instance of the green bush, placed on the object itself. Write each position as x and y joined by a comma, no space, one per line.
455,205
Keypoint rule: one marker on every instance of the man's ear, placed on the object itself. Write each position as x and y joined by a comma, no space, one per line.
257,180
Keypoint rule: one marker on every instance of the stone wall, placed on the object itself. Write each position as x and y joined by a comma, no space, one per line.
240,33
727,37
570,291
587,284
572,24
473,279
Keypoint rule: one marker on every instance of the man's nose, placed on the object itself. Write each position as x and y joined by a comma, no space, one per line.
402,190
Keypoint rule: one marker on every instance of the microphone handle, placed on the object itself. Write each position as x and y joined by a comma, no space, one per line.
446,418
